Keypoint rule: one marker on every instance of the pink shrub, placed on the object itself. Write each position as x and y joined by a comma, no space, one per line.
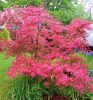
50,45
74,75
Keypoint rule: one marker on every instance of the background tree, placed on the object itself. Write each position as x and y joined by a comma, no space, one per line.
10,3
66,10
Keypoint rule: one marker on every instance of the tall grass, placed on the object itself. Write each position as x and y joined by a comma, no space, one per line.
27,88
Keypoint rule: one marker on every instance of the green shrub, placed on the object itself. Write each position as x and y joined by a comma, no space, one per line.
63,16
5,34
66,15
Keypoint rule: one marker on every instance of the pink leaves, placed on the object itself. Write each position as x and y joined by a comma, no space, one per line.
74,75
37,30
45,39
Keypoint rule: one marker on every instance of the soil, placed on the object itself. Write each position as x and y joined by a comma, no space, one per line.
56,97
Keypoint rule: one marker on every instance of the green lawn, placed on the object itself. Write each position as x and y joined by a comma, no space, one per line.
88,60
5,81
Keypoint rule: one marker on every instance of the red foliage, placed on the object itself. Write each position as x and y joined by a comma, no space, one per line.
47,40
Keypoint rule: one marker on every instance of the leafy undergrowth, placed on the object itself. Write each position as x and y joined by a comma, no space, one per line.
5,81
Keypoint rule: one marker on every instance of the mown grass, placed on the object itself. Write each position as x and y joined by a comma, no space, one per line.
88,60
5,81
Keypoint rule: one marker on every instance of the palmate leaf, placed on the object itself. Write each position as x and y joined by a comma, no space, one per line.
5,34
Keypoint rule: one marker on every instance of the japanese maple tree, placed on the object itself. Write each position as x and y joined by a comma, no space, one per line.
50,46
